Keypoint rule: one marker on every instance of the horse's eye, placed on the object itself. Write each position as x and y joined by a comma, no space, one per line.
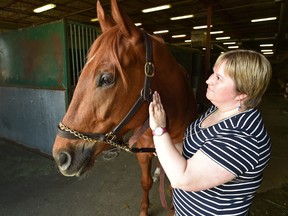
106,79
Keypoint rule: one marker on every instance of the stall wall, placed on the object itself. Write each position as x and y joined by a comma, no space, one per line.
30,116
33,84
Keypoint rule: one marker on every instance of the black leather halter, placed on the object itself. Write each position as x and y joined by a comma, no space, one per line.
111,137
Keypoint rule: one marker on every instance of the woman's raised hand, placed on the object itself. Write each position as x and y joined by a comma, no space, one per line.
156,112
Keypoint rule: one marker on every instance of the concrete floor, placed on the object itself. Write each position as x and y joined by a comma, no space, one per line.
30,183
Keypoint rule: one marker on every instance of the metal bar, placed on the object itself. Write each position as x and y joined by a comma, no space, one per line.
83,46
75,51
72,54
93,36
90,38
77,42
86,40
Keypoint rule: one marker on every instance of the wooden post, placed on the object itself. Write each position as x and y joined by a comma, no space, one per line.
208,42
201,91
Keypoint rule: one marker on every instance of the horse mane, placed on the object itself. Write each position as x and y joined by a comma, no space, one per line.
106,45
158,38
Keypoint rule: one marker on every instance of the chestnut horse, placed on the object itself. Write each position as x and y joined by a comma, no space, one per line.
113,94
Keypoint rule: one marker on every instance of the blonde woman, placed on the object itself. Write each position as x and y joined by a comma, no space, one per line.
219,166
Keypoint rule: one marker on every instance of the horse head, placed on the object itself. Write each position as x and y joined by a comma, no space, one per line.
109,85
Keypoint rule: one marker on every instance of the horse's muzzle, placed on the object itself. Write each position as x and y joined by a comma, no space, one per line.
74,163
64,161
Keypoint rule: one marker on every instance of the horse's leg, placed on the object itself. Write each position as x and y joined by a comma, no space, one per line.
145,162
156,174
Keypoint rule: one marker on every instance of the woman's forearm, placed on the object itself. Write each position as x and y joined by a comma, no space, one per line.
170,158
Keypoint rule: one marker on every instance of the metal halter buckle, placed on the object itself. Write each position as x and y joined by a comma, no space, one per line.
110,136
149,69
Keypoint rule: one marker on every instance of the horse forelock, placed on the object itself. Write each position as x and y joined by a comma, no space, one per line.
105,50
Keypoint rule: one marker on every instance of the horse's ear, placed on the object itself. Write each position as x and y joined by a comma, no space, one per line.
126,25
106,22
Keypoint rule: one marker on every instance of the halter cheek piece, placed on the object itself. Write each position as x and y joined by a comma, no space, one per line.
110,137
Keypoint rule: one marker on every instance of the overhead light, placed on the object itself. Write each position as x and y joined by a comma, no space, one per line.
138,24
264,19
161,32
268,53
182,17
229,43
223,38
201,27
44,8
94,20
188,41
233,47
216,32
178,36
268,50
162,7
266,45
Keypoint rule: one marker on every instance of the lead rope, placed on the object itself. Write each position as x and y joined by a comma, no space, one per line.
162,191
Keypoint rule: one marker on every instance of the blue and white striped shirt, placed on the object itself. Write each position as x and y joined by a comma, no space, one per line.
241,145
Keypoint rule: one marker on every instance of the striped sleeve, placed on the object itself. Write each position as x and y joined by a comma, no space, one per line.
238,154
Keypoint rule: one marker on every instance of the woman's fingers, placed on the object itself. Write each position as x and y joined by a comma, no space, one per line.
156,112
151,108
156,98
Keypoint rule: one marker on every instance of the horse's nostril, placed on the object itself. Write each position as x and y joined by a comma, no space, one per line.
64,160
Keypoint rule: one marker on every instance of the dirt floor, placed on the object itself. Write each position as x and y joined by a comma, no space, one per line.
30,183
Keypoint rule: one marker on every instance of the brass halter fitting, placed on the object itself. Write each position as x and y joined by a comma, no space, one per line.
149,69
110,136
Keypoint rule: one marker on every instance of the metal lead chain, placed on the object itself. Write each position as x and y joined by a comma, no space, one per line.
109,138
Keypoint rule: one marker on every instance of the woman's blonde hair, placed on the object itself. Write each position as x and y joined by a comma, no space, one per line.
251,72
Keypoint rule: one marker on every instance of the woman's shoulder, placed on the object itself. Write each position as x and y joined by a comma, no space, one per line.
249,117
249,122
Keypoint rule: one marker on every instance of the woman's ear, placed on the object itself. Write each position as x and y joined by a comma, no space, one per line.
241,97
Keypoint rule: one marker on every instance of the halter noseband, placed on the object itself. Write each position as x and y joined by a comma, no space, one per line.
110,137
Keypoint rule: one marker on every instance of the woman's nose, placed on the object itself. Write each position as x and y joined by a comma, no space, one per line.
210,79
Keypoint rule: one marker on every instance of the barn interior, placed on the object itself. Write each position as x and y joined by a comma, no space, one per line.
30,183
237,21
